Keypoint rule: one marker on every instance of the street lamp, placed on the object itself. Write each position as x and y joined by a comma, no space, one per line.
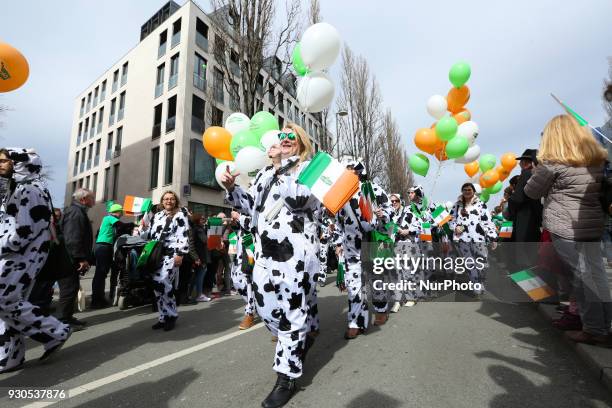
340,113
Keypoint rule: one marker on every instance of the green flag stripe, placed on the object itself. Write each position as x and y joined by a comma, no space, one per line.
581,121
215,221
522,275
315,168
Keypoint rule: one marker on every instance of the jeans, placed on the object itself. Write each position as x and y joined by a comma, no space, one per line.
589,282
104,261
200,271
607,243
68,292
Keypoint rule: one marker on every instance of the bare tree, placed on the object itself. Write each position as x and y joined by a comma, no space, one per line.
246,41
360,132
314,13
607,91
396,177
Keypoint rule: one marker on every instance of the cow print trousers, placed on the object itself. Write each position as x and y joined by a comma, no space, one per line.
165,280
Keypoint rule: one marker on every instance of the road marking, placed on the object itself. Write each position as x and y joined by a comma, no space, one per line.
91,386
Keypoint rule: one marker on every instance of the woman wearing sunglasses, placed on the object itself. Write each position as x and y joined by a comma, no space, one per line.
284,223
473,228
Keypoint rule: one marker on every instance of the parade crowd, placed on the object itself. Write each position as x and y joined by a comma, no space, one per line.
279,243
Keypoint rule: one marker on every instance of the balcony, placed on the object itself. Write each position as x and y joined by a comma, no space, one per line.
96,160
156,132
176,38
88,164
159,89
202,41
197,125
108,155
170,124
199,82
111,120
123,79
120,114
161,51
172,81
115,86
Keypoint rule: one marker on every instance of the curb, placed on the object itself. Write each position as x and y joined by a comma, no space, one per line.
597,359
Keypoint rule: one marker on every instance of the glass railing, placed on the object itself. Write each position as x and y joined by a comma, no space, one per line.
99,129
82,111
115,86
197,124
88,106
161,50
96,160
159,89
102,96
176,38
75,170
156,132
107,157
78,140
170,124
88,164
172,81
82,167
111,120
202,41
218,94
123,79
92,131
199,82
117,152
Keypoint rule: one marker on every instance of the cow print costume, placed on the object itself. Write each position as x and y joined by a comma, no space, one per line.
25,217
241,280
284,216
176,242
478,230
350,236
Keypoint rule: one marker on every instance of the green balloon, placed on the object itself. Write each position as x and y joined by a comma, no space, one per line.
419,163
487,162
457,147
496,188
446,128
459,74
242,139
298,63
219,161
261,122
484,196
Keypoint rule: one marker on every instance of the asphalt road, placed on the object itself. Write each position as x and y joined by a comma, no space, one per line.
437,354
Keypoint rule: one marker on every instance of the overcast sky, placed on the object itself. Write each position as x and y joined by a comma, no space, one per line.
520,51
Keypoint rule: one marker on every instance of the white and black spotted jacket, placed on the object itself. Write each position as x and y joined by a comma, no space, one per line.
176,239
478,225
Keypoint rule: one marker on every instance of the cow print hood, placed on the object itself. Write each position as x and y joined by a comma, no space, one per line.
26,164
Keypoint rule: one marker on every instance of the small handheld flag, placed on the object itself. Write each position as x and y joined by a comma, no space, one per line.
581,121
506,230
425,232
535,287
215,232
136,205
441,216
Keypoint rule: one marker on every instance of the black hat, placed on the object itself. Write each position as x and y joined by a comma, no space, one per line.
529,154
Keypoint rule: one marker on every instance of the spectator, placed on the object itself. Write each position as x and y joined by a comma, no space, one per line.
185,283
569,178
200,244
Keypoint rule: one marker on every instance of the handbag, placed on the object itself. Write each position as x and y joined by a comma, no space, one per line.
59,264
152,254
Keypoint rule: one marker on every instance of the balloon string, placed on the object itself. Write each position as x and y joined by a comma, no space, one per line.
433,187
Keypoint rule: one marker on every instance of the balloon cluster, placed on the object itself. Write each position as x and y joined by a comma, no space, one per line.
316,52
490,180
14,68
454,133
242,144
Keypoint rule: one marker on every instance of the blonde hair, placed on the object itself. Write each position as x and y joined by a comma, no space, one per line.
176,197
305,147
566,142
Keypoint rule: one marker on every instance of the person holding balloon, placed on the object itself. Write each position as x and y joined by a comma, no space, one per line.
473,229
282,214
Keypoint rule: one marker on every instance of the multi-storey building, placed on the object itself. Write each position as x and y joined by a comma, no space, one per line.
137,129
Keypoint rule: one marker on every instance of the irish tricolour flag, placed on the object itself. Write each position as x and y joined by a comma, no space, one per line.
535,287
441,216
136,205
506,230
215,232
329,181
425,231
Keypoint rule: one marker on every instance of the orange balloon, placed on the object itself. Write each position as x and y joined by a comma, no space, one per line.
14,68
508,161
471,168
457,98
426,140
440,151
489,178
217,142
503,173
463,116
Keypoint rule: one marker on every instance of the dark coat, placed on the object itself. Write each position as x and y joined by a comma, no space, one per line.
525,213
78,235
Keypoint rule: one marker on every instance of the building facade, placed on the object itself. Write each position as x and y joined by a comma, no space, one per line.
137,129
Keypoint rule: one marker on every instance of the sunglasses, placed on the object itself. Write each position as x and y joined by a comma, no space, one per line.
282,136
395,201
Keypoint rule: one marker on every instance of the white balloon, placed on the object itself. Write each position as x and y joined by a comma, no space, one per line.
437,106
478,188
221,168
250,160
320,46
469,130
315,92
269,139
449,205
243,180
236,122
473,153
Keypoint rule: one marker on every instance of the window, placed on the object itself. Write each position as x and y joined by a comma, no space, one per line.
201,34
154,168
86,129
75,169
281,102
159,81
163,40
157,119
82,165
296,114
94,187
88,102
198,107
103,91
95,99
259,85
97,155
81,183
234,63
169,163
121,106
124,74
106,184
111,118
219,51
217,117
218,86
117,150
281,122
115,181
100,119
82,107
109,146
258,105
176,33
271,95
174,66
80,133
199,72
87,182
201,166
93,125
115,81
171,118
74,186
89,156
234,96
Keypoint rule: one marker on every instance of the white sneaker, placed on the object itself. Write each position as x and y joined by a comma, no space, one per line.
203,298
395,308
410,303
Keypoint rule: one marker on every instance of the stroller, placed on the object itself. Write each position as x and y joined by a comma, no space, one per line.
134,288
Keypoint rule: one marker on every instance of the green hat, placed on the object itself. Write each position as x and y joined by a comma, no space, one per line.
115,208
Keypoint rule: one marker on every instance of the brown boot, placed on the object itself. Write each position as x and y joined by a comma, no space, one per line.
351,333
380,319
247,322
580,336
